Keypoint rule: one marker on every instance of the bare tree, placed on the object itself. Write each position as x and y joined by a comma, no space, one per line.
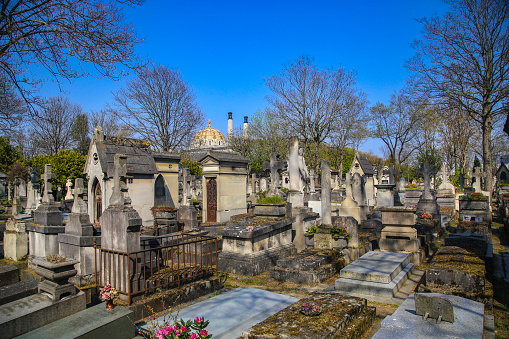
309,100
64,36
12,107
464,59
396,126
351,128
52,129
160,106
109,124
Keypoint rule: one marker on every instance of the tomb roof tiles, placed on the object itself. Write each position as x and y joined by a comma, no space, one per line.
224,156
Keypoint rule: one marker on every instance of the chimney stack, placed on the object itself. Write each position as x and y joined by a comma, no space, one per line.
230,125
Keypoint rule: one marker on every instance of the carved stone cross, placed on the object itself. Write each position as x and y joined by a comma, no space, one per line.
79,205
348,184
47,198
392,172
312,177
426,171
477,173
119,196
274,166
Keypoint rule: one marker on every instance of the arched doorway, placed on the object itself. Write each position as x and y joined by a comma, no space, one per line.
98,200
160,192
503,177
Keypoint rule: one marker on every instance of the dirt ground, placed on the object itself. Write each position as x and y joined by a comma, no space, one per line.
500,310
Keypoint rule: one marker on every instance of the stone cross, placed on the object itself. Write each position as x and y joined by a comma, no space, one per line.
68,194
392,172
426,171
253,183
47,198
348,186
119,196
312,177
274,166
79,206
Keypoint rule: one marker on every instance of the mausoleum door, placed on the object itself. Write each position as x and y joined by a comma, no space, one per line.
159,192
211,200
98,202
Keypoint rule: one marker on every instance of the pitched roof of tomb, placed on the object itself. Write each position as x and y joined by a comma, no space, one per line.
139,155
366,166
224,156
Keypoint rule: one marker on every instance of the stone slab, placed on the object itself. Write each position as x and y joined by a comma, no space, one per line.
405,323
375,288
94,322
376,266
9,274
24,315
18,290
236,311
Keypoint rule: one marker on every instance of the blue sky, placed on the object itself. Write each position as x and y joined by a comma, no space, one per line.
224,49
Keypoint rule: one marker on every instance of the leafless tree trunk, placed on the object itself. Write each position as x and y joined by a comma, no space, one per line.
160,107
464,59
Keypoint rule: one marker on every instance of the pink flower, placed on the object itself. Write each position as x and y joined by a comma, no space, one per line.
198,320
194,336
183,328
204,333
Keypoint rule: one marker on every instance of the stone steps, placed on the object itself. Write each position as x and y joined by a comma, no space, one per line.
376,273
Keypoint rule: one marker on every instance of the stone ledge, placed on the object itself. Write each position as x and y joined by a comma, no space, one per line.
239,230
18,290
77,240
45,229
253,264
9,274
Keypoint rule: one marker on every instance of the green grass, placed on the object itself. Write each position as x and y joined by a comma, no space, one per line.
271,200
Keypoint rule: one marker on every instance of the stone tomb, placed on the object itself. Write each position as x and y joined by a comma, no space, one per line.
251,249
15,240
43,233
407,323
342,317
399,234
376,273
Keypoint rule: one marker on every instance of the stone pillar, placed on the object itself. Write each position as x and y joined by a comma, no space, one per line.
78,240
15,240
120,229
187,213
326,192
296,197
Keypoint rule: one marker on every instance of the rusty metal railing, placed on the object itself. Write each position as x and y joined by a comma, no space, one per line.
179,260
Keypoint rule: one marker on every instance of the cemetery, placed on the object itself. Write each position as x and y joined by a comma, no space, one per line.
353,203
368,247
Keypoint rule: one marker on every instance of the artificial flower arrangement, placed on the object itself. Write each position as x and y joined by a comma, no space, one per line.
108,293
426,215
194,329
339,232
310,310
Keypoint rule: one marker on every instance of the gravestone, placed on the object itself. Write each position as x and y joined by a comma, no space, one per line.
15,240
273,166
427,202
68,194
295,194
43,233
120,226
359,195
349,207
78,240
187,213
323,237
434,307
477,176
313,195
33,195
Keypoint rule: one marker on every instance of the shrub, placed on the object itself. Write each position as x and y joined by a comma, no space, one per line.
275,199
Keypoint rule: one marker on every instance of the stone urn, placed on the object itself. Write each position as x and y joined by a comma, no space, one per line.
56,277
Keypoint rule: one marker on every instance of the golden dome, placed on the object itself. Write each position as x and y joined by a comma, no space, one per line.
209,136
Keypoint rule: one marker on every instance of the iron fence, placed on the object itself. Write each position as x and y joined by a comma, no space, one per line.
168,262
